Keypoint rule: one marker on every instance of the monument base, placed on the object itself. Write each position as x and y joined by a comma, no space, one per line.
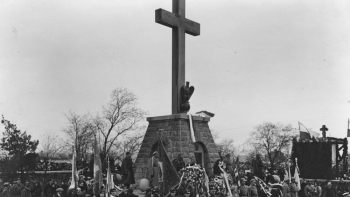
176,136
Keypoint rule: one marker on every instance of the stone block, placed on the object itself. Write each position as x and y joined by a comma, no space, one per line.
185,138
185,133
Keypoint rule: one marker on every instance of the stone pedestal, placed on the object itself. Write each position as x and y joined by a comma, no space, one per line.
176,137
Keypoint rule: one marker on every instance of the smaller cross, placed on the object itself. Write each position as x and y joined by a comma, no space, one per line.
324,129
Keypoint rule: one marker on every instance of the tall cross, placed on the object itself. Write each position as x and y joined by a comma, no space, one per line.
180,25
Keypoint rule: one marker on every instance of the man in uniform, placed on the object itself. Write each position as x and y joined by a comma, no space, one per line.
243,189
178,162
285,189
293,188
15,190
308,190
127,169
252,190
229,166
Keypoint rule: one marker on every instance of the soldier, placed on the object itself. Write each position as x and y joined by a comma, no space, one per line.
15,190
252,190
178,162
293,188
243,189
6,190
308,190
285,188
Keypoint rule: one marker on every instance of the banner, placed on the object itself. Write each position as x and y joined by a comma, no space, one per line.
169,177
97,169
74,170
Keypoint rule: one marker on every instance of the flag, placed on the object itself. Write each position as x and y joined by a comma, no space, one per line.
304,133
110,184
97,169
74,171
286,175
169,176
348,128
296,176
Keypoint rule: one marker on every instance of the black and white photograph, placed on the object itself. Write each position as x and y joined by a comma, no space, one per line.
185,98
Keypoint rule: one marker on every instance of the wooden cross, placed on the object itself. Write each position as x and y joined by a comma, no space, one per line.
180,25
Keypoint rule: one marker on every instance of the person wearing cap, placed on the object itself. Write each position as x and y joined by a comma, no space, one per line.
285,189
153,170
37,190
293,188
82,184
243,189
308,189
128,172
27,191
6,190
15,189
48,189
329,191
178,162
252,190
59,192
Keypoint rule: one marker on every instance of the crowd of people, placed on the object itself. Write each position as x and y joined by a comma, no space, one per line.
225,181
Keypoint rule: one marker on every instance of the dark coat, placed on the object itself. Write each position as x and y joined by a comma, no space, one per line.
26,192
128,172
6,192
178,163
15,191
329,192
342,188
37,191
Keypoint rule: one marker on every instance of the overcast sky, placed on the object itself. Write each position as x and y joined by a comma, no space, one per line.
255,60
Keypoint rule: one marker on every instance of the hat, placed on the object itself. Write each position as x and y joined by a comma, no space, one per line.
6,184
275,179
59,190
252,180
243,179
346,194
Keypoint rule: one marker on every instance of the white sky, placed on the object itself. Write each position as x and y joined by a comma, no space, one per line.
255,60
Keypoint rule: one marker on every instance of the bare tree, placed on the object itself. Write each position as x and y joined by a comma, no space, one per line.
51,147
120,116
226,146
80,134
131,143
272,139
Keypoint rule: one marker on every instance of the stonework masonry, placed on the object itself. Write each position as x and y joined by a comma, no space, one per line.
176,137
